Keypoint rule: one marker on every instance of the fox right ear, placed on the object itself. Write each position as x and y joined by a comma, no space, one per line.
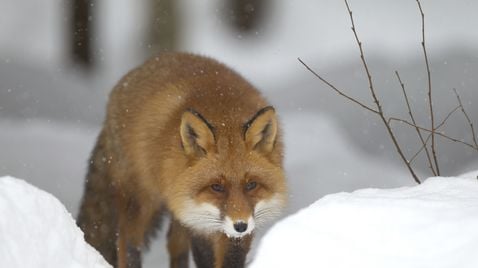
197,134
261,131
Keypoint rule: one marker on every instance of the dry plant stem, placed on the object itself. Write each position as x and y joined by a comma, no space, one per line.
379,110
340,92
424,145
430,102
467,118
387,122
379,113
377,101
364,62
430,163
460,106
434,132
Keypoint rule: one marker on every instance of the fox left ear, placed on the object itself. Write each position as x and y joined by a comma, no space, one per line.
261,131
197,135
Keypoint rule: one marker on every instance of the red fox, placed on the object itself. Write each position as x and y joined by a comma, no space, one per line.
186,136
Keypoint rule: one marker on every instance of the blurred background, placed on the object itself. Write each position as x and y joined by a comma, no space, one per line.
60,58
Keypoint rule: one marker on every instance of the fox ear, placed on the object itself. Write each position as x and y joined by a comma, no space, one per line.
197,134
261,131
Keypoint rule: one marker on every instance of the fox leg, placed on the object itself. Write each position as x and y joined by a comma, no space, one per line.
202,250
220,251
98,216
129,256
97,220
134,224
178,245
231,252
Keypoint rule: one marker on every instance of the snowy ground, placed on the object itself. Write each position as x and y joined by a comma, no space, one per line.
430,225
38,231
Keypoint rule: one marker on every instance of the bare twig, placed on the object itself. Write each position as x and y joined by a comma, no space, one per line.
364,62
460,106
377,101
446,118
430,100
340,92
429,135
473,136
378,110
430,163
434,132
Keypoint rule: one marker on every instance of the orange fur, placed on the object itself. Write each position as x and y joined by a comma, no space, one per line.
176,125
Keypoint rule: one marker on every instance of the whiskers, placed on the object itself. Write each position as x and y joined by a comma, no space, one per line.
203,217
206,218
268,210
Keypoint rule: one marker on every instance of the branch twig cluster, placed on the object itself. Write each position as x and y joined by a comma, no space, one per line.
430,149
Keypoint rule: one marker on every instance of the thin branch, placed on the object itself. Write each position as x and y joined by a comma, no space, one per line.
430,101
424,146
430,163
364,62
434,132
340,92
432,157
437,128
376,100
467,118
446,118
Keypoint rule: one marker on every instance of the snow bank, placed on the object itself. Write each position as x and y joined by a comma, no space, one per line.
429,225
37,231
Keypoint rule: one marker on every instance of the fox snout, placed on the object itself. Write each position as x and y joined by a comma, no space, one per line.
239,227
208,218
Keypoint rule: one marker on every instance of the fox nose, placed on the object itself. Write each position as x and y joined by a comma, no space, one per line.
240,226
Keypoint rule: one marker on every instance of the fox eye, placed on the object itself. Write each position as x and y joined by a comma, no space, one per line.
216,187
251,185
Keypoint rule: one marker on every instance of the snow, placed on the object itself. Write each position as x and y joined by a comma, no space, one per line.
37,230
428,225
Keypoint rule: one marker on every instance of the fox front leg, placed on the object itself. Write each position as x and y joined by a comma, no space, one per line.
128,256
178,245
232,252
220,251
134,222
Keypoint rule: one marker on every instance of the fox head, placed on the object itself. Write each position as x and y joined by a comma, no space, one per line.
234,179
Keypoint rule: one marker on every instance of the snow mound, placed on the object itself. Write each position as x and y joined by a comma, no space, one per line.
36,230
429,225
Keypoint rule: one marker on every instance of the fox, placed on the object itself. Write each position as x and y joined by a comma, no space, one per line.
188,137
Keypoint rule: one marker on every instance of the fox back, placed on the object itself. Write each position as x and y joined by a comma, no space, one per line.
186,135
